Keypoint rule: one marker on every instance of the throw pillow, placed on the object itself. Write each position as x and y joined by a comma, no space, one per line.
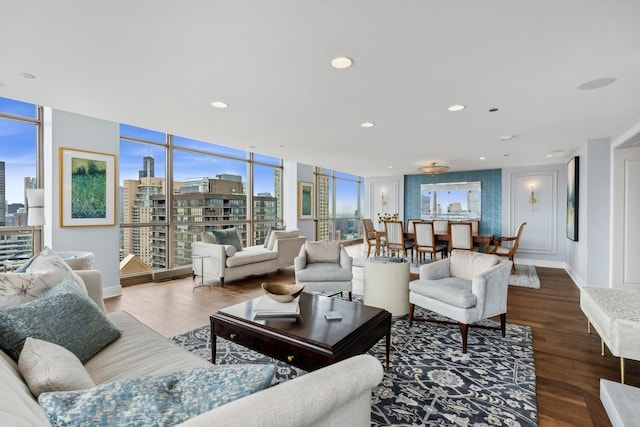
46,366
64,316
228,236
271,230
156,400
207,237
53,268
322,251
18,288
276,235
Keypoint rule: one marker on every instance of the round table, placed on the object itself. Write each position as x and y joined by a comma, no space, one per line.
386,284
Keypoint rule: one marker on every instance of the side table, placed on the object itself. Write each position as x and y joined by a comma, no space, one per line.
195,258
386,284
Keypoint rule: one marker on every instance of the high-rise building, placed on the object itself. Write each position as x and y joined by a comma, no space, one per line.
3,196
147,168
323,202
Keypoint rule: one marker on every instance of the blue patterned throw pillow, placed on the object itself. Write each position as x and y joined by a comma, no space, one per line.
63,316
158,400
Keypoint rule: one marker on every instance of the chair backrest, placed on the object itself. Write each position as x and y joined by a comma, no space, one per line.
440,226
460,236
395,232
369,229
423,236
516,242
410,223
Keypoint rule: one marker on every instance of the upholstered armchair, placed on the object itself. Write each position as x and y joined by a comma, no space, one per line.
466,287
324,267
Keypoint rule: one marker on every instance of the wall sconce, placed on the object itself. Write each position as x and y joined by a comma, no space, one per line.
384,202
532,200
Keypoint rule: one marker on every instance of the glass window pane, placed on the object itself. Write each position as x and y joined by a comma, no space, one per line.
180,141
144,134
346,209
208,188
262,158
18,108
343,175
267,200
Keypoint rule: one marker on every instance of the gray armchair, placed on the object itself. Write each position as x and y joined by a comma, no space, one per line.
324,267
467,287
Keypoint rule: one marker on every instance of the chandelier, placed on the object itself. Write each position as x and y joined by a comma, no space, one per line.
433,169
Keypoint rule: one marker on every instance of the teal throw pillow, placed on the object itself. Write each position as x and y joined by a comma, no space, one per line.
228,236
64,316
159,400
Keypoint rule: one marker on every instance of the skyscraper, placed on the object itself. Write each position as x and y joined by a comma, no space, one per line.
3,202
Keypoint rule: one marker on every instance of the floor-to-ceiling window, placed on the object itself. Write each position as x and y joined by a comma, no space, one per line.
20,169
339,197
209,187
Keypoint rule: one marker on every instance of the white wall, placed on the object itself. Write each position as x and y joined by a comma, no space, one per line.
62,129
294,172
392,187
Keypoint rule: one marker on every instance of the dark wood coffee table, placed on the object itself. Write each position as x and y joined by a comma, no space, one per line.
309,342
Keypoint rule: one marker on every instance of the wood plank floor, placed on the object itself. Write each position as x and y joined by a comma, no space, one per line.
567,359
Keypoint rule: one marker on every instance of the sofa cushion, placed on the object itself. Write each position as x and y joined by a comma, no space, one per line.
228,236
271,230
46,366
64,316
286,234
251,255
450,290
323,272
322,251
156,400
468,264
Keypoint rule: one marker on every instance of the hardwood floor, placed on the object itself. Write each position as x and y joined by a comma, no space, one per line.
567,359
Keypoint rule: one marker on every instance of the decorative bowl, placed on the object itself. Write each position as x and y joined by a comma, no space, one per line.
282,292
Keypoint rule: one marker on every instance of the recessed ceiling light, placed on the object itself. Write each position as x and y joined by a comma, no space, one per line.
483,158
506,155
390,167
367,124
506,137
493,110
549,155
341,62
456,107
28,76
597,83
219,104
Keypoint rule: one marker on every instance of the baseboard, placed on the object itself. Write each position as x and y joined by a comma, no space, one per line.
112,291
175,273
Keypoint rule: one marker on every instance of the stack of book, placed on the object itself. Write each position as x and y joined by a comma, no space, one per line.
266,308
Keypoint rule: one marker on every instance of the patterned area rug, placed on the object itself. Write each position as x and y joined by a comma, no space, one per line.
430,382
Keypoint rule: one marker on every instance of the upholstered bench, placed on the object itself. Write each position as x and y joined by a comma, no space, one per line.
615,315
621,403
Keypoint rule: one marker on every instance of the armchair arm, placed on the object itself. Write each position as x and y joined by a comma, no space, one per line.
300,262
346,261
436,270
215,264
504,239
93,281
491,288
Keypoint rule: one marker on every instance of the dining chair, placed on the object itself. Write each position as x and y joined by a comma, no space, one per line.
396,241
460,236
410,230
508,251
425,242
369,234
440,226
475,226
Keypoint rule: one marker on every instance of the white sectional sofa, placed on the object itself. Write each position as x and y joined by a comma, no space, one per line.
226,262
339,394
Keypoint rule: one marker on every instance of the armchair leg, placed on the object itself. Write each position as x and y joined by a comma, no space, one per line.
411,307
222,282
349,295
464,329
503,324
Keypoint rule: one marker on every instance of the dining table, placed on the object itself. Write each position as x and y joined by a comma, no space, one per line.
478,238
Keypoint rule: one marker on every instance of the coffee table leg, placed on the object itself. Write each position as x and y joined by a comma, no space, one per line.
213,343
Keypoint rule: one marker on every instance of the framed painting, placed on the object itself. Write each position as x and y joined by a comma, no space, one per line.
305,200
573,192
87,188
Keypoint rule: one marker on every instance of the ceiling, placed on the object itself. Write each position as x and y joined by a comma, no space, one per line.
159,64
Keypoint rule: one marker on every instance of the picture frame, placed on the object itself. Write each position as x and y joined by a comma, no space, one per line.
573,193
305,200
87,188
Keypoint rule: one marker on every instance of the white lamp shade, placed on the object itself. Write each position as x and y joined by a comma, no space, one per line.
35,204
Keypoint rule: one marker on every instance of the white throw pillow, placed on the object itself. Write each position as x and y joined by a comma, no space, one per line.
53,269
49,367
18,288
286,234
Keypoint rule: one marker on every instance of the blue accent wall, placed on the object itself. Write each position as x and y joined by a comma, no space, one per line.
491,187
